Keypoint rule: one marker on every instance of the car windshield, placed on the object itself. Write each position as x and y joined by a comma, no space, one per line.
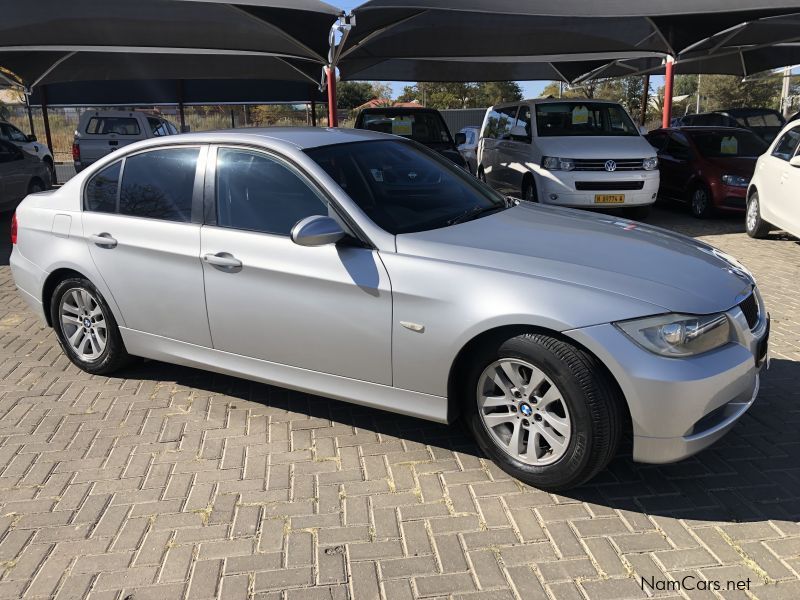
765,119
421,126
405,188
583,119
728,144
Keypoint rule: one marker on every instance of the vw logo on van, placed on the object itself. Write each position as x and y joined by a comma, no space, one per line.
610,165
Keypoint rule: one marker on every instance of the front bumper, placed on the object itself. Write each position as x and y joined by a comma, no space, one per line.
561,187
681,406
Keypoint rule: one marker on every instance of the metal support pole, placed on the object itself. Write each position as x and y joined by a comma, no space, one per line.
333,120
46,119
313,113
181,114
233,120
645,100
30,113
697,106
668,81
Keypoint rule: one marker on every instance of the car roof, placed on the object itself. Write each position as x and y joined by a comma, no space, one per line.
391,109
555,101
696,128
120,113
299,137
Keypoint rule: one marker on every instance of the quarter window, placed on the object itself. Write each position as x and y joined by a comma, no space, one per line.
256,192
159,184
787,145
499,122
101,191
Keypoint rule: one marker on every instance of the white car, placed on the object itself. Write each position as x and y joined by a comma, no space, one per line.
29,144
101,132
578,153
773,191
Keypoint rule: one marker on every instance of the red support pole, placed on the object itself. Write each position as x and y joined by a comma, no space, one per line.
668,80
333,120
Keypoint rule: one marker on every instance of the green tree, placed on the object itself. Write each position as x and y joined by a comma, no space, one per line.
729,91
461,94
351,94
495,92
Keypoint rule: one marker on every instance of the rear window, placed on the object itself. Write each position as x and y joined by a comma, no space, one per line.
421,126
115,125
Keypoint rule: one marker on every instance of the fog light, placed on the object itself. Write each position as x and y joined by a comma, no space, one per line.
553,196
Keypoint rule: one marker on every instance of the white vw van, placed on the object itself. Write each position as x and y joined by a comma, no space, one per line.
578,153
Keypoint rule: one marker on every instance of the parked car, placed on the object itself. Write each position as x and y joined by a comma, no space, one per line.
467,142
709,168
20,174
367,268
764,122
423,125
579,153
29,144
101,132
773,192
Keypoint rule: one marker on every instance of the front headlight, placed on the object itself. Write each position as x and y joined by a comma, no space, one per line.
650,164
678,335
735,180
553,163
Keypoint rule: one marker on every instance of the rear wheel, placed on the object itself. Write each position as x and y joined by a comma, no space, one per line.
52,168
35,186
700,202
85,327
756,226
544,410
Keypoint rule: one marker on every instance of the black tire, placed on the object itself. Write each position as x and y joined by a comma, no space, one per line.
700,203
529,192
35,186
52,168
114,356
481,175
592,399
756,226
637,213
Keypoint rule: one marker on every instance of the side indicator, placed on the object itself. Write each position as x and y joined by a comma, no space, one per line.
413,326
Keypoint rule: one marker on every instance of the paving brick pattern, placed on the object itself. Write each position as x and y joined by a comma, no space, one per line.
167,482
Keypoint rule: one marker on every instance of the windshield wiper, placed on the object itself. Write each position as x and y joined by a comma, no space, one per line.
474,213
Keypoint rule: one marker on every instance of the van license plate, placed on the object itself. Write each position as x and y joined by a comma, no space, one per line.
609,198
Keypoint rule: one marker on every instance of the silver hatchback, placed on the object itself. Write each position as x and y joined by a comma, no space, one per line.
367,268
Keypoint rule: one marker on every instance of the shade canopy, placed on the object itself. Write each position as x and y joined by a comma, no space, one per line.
49,41
474,40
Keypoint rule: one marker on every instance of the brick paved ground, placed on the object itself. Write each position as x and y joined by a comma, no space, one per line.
168,482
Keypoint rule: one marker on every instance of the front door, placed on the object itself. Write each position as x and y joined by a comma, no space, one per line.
325,308
141,221
781,182
676,165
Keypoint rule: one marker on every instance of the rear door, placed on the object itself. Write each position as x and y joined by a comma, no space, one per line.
142,218
496,127
326,308
506,147
105,134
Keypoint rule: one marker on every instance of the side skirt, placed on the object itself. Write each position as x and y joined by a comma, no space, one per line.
374,395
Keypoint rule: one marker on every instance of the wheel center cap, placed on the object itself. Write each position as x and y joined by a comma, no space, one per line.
525,409
87,323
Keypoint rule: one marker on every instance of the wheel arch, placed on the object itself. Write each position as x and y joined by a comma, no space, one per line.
461,364
50,284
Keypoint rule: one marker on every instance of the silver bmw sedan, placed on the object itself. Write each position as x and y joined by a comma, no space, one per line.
364,267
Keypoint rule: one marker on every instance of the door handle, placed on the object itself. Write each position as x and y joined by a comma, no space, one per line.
104,240
223,261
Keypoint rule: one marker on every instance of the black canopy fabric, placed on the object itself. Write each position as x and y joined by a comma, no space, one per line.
152,92
451,40
50,41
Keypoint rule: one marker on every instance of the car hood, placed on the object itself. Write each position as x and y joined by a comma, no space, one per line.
743,166
618,146
667,270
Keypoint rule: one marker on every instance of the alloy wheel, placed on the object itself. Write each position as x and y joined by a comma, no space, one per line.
699,202
752,214
524,412
83,324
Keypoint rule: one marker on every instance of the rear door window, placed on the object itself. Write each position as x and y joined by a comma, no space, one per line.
159,184
499,122
113,125
787,145
101,191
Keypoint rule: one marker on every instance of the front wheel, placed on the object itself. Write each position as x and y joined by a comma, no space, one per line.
481,175
756,226
85,327
529,192
700,203
544,410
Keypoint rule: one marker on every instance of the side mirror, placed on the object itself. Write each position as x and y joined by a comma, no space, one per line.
461,138
518,132
795,161
317,230
32,138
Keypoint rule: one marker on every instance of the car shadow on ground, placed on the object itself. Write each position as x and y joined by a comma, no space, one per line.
752,474
5,238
